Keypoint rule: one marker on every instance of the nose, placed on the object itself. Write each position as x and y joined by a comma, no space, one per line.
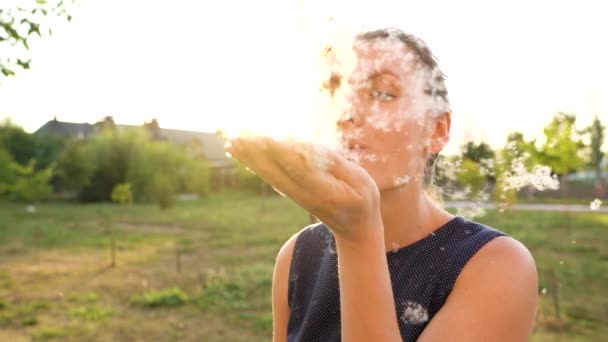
352,116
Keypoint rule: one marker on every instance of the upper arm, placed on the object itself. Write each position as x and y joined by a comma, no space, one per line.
494,298
280,286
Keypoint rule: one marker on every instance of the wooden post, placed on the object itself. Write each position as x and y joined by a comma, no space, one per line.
178,259
38,243
555,295
112,247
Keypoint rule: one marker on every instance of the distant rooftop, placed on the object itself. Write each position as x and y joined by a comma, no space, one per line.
211,144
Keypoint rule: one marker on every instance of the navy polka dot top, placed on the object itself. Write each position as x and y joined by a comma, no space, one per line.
422,276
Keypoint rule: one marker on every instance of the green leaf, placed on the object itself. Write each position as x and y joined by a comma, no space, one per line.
7,72
24,64
34,28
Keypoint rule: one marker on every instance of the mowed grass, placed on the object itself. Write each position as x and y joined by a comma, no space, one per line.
201,271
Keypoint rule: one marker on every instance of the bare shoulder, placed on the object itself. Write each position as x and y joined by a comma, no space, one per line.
502,257
503,269
280,289
504,249
494,297
285,253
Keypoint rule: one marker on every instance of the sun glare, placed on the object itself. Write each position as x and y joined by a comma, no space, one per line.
284,97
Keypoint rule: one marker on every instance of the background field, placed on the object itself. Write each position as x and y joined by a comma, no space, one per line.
201,271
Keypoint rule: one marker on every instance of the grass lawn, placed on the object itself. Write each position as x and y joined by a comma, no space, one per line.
540,200
201,271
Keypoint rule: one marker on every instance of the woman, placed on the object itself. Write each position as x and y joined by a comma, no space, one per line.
387,263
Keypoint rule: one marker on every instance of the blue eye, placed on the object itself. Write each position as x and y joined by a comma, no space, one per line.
382,95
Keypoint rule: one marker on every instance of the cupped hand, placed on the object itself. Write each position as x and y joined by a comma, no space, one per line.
338,192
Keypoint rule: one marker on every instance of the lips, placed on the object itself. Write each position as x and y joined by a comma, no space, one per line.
356,147
353,144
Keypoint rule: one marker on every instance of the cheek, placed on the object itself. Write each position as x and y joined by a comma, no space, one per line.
399,116
406,150
385,116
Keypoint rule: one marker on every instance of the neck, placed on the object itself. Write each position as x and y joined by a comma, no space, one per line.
409,215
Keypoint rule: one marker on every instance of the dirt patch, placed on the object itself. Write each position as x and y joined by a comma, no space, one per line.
13,335
149,228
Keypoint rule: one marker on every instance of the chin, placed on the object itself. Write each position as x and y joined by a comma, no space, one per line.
388,181
383,182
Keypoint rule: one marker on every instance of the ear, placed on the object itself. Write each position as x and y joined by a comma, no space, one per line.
441,133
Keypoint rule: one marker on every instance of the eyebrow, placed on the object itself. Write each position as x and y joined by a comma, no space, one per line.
381,73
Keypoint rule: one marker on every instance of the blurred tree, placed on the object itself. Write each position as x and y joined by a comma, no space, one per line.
162,190
156,170
111,154
596,133
7,173
160,170
106,124
516,149
31,186
75,166
20,144
562,149
194,174
477,152
471,176
48,149
24,147
153,129
483,156
19,23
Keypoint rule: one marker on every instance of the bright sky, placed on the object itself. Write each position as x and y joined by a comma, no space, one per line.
208,65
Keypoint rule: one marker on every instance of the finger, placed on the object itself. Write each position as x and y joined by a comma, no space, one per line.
350,172
255,155
301,161
320,170
315,162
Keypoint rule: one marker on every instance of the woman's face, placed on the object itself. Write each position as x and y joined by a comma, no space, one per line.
385,123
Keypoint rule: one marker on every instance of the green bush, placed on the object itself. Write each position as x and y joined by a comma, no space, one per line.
169,297
90,297
122,194
21,315
29,321
229,290
50,333
90,313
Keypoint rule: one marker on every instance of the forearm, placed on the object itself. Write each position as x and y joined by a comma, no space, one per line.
366,296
